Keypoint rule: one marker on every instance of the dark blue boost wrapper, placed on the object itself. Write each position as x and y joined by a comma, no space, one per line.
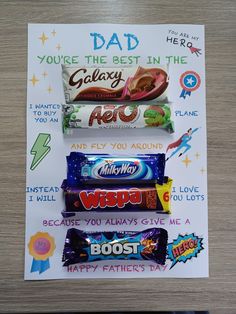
95,168
82,246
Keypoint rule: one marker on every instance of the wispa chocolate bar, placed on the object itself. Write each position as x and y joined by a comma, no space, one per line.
117,116
114,84
98,168
81,246
110,198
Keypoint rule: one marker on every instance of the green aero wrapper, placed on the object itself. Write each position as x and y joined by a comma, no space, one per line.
117,116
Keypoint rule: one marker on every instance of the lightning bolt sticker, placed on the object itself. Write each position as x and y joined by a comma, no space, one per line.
40,149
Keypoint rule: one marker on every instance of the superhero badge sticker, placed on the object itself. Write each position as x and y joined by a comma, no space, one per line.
189,81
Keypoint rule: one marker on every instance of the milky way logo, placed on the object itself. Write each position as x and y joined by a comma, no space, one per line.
184,248
110,169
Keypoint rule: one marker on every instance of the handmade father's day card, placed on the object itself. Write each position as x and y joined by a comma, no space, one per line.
116,152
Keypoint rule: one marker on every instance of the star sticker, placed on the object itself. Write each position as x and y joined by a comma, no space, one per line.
44,74
34,80
54,33
49,89
43,38
190,80
186,161
202,170
197,155
109,162
58,47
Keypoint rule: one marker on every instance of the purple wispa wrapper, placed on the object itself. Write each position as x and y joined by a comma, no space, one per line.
149,244
110,198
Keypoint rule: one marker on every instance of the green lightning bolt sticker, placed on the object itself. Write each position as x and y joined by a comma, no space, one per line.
40,149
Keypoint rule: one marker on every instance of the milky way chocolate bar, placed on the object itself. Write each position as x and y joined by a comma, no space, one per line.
114,84
98,168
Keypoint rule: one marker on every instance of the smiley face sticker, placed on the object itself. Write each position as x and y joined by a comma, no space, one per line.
41,247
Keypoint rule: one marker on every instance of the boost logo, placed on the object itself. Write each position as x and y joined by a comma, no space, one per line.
115,249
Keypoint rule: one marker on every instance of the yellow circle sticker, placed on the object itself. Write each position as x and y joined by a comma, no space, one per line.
41,246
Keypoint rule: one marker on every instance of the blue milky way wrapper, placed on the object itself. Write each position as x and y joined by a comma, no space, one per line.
95,168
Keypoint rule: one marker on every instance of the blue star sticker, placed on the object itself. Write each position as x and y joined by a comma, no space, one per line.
190,81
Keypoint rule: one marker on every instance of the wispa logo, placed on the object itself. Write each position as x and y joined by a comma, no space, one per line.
106,198
117,169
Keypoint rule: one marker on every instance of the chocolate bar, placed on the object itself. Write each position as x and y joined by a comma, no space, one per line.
148,197
149,244
116,116
97,168
117,84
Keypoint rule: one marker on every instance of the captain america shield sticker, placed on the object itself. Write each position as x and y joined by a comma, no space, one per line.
189,81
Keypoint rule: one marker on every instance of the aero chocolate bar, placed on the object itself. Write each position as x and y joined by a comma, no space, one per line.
117,116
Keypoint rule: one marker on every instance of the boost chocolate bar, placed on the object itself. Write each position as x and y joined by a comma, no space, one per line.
81,246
